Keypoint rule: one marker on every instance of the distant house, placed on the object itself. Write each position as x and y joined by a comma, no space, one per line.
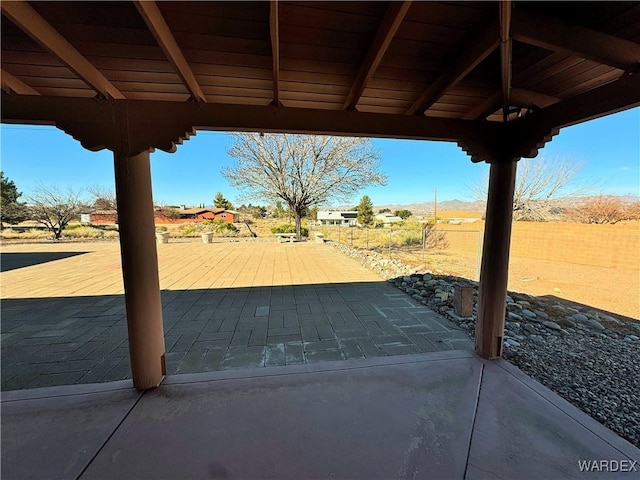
387,218
100,217
336,217
164,216
199,214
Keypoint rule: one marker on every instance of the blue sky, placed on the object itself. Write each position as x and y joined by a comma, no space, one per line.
607,148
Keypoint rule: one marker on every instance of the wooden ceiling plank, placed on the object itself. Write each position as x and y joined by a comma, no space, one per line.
34,25
15,85
553,34
505,56
616,96
392,19
473,53
156,23
274,33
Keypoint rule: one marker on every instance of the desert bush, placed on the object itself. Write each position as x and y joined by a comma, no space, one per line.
411,238
219,227
433,239
33,233
289,228
632,211
81,231
188,230
600,210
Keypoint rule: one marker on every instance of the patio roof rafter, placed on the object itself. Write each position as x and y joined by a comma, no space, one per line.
274,34
506,45
393,17
156,23
472,55
553,34
34,25
12,84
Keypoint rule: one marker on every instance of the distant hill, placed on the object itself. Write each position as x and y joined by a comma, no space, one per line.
480,206
427,207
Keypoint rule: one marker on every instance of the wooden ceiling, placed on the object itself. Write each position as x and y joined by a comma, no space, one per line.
450,60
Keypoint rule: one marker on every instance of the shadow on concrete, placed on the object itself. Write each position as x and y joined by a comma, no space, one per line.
72,340
13,261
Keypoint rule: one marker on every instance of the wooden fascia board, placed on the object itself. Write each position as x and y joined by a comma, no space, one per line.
156,23
274,33
159,124
34,25
15,85
393,17
555,35
473,53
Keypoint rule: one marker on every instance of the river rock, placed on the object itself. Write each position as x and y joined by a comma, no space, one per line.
552,325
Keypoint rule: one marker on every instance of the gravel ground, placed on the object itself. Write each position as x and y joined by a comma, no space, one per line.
588,357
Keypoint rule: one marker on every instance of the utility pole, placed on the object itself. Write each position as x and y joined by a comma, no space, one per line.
435,205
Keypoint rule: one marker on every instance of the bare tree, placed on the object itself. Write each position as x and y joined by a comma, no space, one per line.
55,208
302,170
103,198
540,183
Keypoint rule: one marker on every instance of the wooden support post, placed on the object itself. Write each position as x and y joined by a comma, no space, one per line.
140,269
495,260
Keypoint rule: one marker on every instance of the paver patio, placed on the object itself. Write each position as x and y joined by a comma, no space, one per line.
225,305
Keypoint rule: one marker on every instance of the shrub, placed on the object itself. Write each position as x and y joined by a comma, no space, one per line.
188,230
601,210
81,231
289,228
411,238
218,226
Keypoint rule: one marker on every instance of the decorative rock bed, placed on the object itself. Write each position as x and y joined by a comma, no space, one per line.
586,356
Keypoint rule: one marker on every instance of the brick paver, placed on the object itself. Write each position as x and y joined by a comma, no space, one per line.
225,305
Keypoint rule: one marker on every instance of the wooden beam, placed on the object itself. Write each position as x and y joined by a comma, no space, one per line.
472,54
274,30
519,97
32,23
163,124
393,17
14,85
505,56
553,34
156,23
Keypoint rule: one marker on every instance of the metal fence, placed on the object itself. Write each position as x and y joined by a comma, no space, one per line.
430,247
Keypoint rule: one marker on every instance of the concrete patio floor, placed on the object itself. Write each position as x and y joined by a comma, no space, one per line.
225,305
435,415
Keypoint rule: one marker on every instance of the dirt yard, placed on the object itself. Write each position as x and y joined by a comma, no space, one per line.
595,265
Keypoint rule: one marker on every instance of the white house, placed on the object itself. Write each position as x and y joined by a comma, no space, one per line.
387,218
335,217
